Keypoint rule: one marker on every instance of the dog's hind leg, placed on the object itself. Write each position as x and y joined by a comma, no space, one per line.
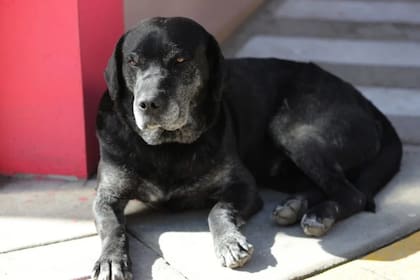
343,198
292,208
379,170
306,146
302,193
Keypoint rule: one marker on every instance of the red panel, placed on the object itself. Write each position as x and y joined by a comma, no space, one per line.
41,94
42,112
101,24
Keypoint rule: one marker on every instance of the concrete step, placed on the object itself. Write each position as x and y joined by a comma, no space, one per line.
394,101
374,65
363,62
370,43
402,106
333,29
337,50
355,11
374,20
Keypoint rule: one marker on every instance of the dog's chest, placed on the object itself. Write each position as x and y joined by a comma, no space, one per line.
188,190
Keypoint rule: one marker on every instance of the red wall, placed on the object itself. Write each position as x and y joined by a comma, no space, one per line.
52,57
101,24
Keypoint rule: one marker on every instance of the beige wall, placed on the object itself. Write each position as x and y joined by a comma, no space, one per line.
219,17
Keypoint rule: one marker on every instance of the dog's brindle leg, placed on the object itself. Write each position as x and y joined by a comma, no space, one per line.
237,202
343,198
303,193
293,207
313,155
114,262
108,209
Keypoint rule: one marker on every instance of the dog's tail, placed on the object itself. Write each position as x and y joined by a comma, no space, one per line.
380,170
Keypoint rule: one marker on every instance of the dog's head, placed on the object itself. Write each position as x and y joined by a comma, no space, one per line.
167,73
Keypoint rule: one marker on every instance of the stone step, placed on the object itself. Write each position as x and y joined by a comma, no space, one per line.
377,76
356,11
376,19
340,51
363,62
402,106
374,65
333,29
394,101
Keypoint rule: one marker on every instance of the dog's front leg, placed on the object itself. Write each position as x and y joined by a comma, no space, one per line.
114,262
236,204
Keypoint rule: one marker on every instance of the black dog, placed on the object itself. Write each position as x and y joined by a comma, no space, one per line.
182,127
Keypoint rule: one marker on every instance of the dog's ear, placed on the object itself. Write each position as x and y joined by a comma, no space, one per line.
216,67
113,71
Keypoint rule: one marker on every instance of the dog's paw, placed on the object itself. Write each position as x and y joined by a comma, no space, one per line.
319,219
316,226
290,211
233,250
114,268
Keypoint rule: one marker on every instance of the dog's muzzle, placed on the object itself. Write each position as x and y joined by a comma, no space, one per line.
156,112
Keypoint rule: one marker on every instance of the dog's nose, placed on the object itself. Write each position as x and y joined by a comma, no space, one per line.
152,104
146,105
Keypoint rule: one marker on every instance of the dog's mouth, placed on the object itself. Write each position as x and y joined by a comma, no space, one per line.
154,126
149,126
182,129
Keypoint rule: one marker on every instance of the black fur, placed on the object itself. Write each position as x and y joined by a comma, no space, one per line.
284,124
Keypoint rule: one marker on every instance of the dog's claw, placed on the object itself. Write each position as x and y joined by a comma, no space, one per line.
111,270
233,250
315,226
289,212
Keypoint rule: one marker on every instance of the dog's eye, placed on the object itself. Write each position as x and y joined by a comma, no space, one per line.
132,61
180,59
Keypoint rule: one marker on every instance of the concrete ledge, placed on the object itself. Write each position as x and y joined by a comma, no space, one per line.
364,11
369,63
408,128
376,75
385,31
402,108
343,51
